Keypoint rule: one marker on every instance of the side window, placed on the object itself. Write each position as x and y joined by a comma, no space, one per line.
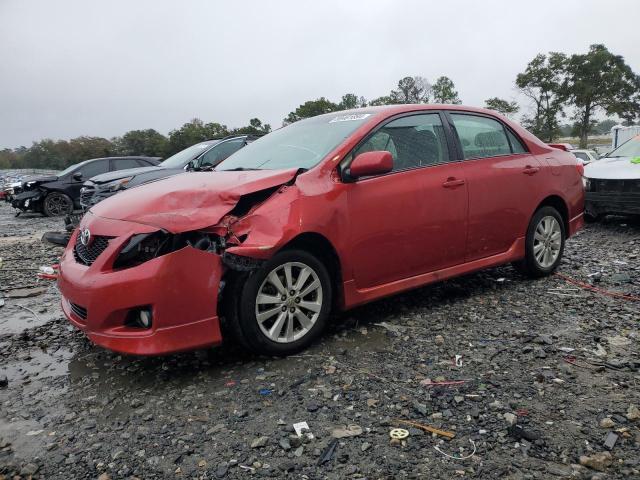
144,163
220,152
122,163
516,144
94,168
480,137
414,141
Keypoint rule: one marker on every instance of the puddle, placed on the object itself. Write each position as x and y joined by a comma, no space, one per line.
38,364
24,445
14,319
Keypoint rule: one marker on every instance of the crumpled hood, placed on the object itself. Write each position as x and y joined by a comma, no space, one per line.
40,179
619,168
189,201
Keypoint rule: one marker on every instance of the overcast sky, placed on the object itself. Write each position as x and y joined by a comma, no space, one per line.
101,68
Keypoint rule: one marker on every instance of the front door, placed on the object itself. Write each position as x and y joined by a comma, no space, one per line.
413,219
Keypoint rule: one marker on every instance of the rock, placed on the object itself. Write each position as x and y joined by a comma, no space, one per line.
26,292
439,340
559,469
104,476
606,422
312,407
365,446
4,381
29,469
543,340
496,405
633,413
510,418
285,444
421,408
222,470
348,431
597,461
259,442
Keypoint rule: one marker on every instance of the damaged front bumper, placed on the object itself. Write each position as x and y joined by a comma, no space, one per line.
29,200
179,289
612,197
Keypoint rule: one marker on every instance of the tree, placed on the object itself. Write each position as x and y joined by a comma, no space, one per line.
384,100
194,132
142,142
350,100
256,127
411,90
541,82
600,80
444,91
500,105
311,108
604,127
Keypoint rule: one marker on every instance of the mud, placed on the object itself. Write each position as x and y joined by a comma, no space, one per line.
555,357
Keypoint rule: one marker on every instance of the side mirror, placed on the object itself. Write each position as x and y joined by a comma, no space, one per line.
77,176
371,163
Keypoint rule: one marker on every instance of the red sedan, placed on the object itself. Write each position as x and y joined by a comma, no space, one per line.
329,212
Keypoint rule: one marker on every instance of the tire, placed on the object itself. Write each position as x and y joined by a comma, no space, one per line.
543,252
264,327
56,204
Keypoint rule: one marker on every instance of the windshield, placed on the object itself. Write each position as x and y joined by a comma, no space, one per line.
70,168
630,148
299,145
183,157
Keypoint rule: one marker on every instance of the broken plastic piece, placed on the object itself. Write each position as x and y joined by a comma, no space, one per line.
458,361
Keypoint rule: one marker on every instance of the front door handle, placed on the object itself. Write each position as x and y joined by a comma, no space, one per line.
529,170
453,182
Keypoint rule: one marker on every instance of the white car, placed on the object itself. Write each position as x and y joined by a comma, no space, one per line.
612,184
585,156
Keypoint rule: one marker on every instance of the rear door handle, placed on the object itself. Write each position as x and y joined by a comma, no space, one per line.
453,182
529,170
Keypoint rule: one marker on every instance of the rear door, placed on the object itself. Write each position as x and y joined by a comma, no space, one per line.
413,219
502,178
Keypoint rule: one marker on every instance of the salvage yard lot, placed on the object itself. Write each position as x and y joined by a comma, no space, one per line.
555,358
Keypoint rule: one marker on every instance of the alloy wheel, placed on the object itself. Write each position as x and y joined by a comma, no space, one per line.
57,204
288,302
547,241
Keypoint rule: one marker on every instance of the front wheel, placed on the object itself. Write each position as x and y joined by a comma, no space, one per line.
280,308
56,204
544,244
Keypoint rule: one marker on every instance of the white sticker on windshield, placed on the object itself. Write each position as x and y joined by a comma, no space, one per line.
350,118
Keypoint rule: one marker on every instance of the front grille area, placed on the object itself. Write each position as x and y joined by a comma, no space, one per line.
85,196
78,311
616,186
88,254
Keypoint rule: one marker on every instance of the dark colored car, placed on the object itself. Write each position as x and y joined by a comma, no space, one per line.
328,212
60,194
201,156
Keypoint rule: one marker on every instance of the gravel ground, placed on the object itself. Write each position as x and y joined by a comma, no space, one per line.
547,369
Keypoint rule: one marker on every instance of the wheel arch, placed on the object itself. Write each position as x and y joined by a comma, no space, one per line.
560,205
320,246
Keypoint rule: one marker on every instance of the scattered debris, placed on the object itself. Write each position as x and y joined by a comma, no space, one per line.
633,413
597,461
398,433
429,383
427,428
346,431
519,432
259,442
610,441
328,453
300,428
395,329
607,422
458,457
439,340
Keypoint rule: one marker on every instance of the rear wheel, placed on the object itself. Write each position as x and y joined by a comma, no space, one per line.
56,204
544,244
280,308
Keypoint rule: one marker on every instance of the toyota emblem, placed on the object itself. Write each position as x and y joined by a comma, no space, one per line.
85,237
